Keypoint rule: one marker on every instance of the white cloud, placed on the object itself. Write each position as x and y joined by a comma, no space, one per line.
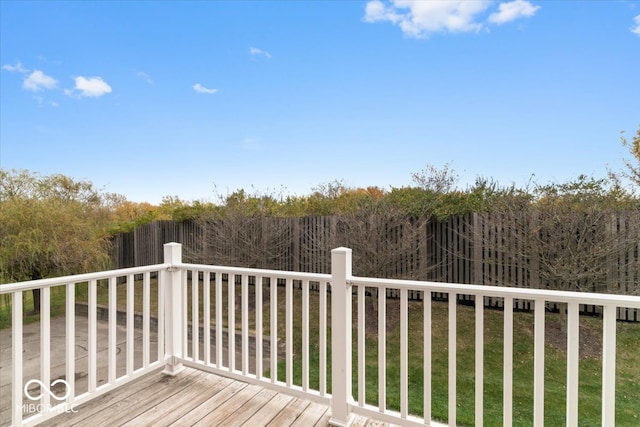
513,10
144,76
38,80
90,87
254,51
376,11
636,28
201,89
17,68
41,101
418,18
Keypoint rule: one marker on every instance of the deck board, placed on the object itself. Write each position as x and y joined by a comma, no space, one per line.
211,404
197,398
312,415
270,411
292,412
224,413
195,395
122,411
249,408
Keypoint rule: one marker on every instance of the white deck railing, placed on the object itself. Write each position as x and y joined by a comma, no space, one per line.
188,306
48,405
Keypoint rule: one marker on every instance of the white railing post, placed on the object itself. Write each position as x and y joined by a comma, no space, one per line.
341,396
171,280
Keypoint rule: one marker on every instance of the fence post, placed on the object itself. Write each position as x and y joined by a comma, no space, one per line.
341,396
171,280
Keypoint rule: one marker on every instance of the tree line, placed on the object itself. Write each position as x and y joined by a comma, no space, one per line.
54,225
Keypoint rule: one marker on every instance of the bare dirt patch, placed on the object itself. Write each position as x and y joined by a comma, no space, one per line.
392,318
589,340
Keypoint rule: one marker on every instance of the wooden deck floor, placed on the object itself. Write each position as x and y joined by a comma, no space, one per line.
196,398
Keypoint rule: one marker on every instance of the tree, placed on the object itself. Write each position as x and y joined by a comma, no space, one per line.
439,181
172,207
51,225
569,236
244,231
385,239
127,215
633,166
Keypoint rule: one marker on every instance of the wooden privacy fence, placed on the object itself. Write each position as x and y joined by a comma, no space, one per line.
438,250
485,249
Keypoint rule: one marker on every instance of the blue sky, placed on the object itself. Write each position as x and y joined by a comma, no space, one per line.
150,99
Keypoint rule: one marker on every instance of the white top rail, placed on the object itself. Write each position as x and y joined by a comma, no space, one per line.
296,275
56,281
628,301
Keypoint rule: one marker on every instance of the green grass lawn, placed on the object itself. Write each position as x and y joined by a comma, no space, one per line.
628,356
628,365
